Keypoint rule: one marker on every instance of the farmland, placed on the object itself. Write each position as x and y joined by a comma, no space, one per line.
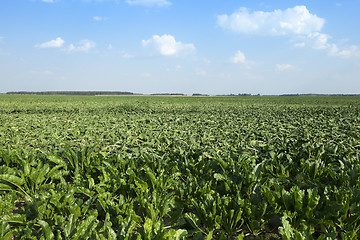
141,167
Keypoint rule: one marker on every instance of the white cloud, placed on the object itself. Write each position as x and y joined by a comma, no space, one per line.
149,3
239,57
99,18
167,45
57,43
297,23
83,46
315,40
352,51
296,20
48,1
285,67
319,40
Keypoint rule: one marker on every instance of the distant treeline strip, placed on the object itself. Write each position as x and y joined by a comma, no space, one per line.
117,93
93,93
317,95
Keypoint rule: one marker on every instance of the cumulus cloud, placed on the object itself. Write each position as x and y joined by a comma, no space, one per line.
149,3
239,57
296,20
57,43
297,23
83,46
320,41
285,67
352,51
167,45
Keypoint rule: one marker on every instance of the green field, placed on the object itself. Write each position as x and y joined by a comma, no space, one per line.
141,167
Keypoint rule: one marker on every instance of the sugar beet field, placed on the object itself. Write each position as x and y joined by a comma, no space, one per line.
141,167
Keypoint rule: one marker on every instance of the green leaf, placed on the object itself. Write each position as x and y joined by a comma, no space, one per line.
193,220
5,187
286,230
257,169
298,197
41,172
111,233
209,236
219,177
56,159
55,173
15,218
180,234
86,228
240,236
148,228
70,226
141,184
5,230
222,163
127,226
287,199
18,182
151,176
49,235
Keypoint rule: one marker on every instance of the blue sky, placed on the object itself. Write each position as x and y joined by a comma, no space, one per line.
197,46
